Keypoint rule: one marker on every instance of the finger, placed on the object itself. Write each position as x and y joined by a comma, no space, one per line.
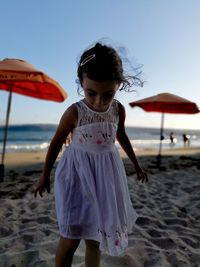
147,179
140,178
36,190
40,193
144,178
48,189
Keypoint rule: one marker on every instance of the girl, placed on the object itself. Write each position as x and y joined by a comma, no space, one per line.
91,192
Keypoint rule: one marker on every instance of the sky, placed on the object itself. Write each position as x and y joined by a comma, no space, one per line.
161,36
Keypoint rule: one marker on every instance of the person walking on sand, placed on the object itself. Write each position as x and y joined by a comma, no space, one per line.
91,192
172,139
186,140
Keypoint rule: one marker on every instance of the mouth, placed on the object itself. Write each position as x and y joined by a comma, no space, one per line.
100,109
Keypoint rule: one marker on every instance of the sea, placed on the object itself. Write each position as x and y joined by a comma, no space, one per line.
37,137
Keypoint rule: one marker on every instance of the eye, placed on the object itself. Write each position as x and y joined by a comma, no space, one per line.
92,93
108,95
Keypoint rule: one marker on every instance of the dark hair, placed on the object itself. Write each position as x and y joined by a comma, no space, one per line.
102,63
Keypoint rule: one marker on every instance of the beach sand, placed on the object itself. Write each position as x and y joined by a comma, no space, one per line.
166,234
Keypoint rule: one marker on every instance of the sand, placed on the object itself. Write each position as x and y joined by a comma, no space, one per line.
166,234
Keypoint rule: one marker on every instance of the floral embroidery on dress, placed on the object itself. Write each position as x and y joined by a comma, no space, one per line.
80,140
119,239
84,137
99,138
105,136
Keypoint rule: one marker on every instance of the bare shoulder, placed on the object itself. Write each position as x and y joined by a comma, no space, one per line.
67,122
121,111
70,116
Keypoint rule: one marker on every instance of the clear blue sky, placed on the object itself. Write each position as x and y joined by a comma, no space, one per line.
164,36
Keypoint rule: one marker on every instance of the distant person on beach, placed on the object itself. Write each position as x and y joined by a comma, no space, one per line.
186,140
91,192
172,138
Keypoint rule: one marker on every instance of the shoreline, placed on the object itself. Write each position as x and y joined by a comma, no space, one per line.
20,160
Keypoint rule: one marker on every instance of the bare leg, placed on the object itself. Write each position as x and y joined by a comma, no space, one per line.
65,251
93,254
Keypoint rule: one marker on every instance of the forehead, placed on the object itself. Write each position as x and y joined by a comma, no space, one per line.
100,87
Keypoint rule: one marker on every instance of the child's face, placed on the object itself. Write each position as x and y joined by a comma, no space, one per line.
99,95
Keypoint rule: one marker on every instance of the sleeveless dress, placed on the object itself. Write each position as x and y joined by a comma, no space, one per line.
91,192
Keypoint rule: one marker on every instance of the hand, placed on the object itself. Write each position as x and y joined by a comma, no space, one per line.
141,175
44,184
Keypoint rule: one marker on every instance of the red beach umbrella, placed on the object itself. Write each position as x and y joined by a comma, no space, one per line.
21,77
166,103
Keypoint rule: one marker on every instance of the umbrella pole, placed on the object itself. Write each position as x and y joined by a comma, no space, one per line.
161,139
5,136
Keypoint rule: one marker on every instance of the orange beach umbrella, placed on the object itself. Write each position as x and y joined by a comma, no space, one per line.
21,77
166,103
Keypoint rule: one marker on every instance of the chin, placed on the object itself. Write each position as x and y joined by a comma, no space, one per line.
100,109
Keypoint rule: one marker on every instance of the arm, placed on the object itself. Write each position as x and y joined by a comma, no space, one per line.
66,125
126,144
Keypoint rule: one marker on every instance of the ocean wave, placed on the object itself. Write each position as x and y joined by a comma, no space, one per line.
29,127
38,137
25,147
26,139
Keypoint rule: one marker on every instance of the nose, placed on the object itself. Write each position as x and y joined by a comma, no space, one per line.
99,101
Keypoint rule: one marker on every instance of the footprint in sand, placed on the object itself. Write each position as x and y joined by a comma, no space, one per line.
154,233
174,260
44,219
164,243
176,222
190,242
5,231
141,221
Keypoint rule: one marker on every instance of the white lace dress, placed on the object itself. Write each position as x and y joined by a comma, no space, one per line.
91,192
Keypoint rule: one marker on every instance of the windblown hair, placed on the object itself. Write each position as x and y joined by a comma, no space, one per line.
102,63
